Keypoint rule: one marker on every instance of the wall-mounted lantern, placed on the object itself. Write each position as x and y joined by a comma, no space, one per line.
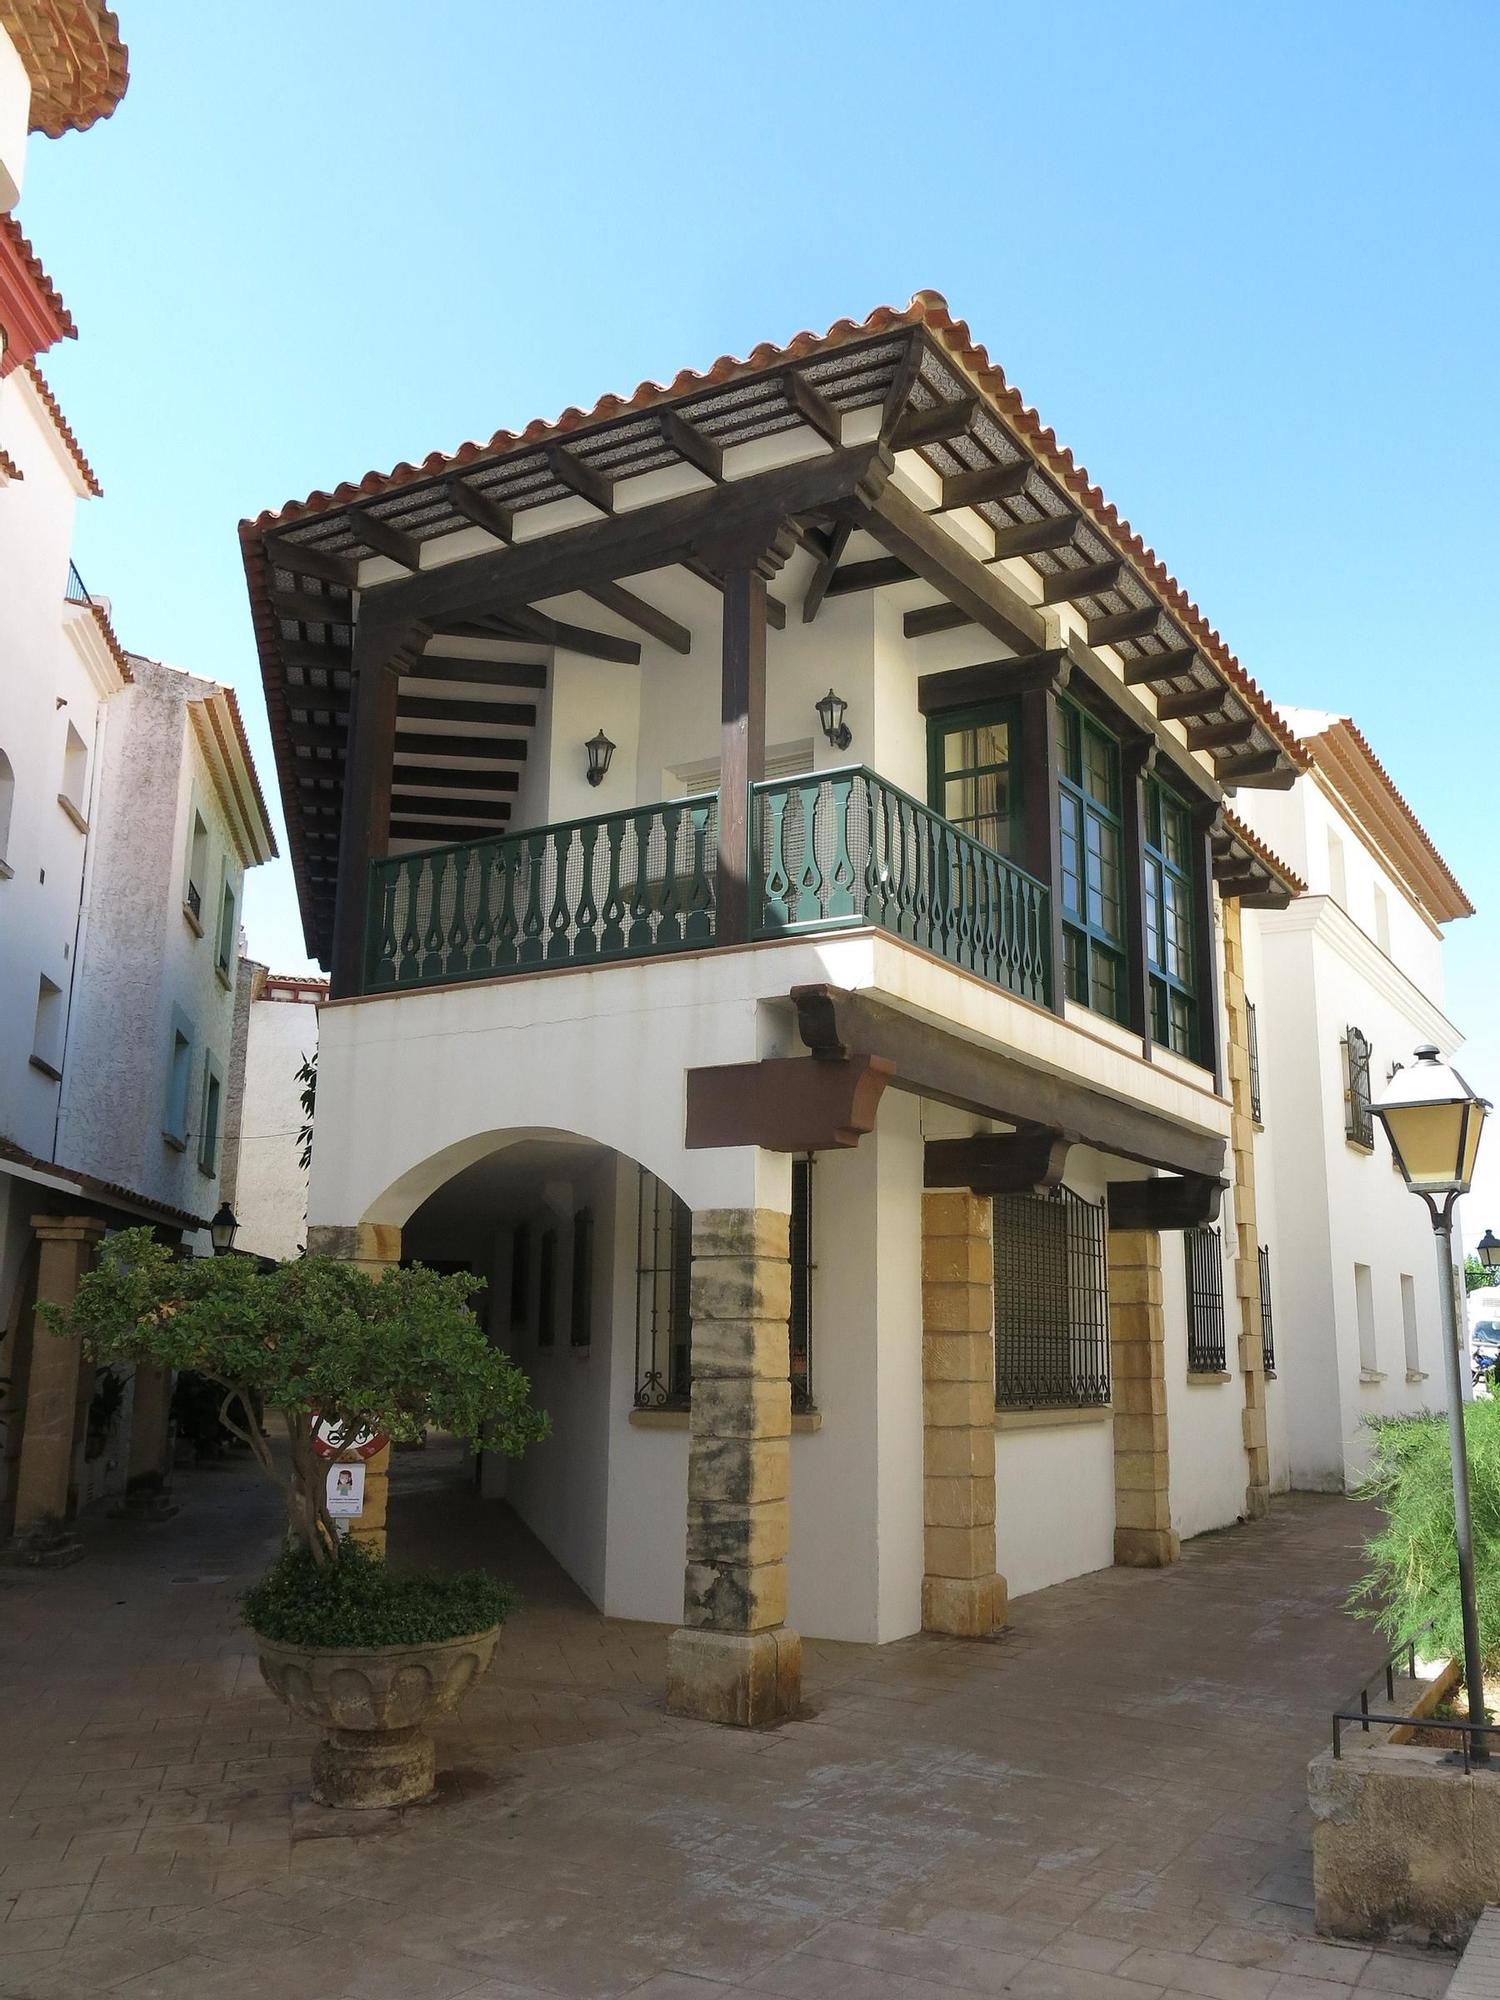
600,751
831,715
221,1231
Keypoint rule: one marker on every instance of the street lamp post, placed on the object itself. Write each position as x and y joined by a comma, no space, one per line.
1433,1121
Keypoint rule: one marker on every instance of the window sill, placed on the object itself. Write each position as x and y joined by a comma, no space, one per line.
47,1069
1208,1378
803,1421
222,975
73,813
208,1169
178,1145
6,871
1364,1146
1416,1374
192,922
1060,1418
1372,1374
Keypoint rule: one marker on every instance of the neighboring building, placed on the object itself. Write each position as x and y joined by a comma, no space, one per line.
129,809
840,1141
1346,983
263,1178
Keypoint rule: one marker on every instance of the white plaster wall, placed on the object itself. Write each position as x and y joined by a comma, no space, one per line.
1054,1503
143,963
1205,1438
15,116
48,679
897,1249
270,1197
1266,1216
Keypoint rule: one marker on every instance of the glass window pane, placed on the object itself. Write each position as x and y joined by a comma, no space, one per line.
980,804
1104,982
1071,886
1099,771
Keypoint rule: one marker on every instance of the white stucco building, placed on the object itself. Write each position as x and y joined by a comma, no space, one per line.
263,1179
1346,983
843,1097
129,811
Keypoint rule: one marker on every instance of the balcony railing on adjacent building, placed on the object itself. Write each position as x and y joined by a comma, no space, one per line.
76,592
828,852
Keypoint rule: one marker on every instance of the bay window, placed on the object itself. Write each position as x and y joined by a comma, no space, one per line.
1091,884
1169,889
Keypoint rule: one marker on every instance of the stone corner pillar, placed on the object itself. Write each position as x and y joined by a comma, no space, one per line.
1144,1536
67,1244
1246,1225
962,1594
147,1474
734,1659
375,1248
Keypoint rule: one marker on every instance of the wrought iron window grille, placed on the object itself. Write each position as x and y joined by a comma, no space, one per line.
1359,1116
1253,1038
1051,1302
663,1299
800,1328
1267,1323
1203,1258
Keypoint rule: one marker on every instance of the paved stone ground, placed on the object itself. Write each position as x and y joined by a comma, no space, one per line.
1105,1805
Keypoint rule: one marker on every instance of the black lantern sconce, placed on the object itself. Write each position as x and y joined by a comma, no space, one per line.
221,1231
600,751
831,714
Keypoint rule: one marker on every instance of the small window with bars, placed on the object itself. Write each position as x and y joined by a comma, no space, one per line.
1359,1115
664,1278
1051,1302
1267,1323
1252,1035
1203,1256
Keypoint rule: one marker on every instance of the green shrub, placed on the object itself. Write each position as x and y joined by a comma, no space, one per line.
359,1600
1413,1574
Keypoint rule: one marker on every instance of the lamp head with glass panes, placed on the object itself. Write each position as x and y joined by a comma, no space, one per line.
1433,1121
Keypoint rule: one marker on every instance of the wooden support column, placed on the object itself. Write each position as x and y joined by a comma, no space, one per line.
961,1592
1246,1225
66,1250
742,755
374,1247
735,1659
364,829
1043,856
1144,1538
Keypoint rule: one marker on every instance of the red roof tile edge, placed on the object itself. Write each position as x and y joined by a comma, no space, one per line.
8,467
64,429
244,742
1366,748
928,309
91,1184
1262,853
67,330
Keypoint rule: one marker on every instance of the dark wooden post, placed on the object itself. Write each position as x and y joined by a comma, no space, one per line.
1205,942
364,829
1043,856
1135,760
745,567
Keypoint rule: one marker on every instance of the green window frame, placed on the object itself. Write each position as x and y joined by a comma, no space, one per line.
968,777
1171,889
1091,872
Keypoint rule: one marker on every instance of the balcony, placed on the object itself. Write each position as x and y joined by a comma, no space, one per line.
828,852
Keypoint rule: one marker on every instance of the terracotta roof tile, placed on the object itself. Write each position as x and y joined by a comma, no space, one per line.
1248,838
72,52
244,743
8,467
64,429
102,1190
926,309
1333,750
49,292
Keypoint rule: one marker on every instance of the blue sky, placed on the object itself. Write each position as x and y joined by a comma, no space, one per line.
1242,259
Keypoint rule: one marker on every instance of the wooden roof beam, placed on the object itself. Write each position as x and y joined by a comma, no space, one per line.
530,624
813,407
825,567
775,609
386,540
986,482
597,487
1068,585
310,610
1265,768
479,673
420,805
440,779
502,749
303,560
689,443
478,508
1123,625
1142,668
873,574
931,618
1221,735
1198,701
934,426
1029,538
431,708
985,597
437,833
636,611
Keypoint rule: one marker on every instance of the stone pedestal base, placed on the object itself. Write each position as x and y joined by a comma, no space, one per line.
966,1607
386,1767
1146,1548
742,1678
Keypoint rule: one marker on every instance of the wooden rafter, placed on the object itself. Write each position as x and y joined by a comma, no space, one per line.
416,805
1066,586
636,611
569,470
872,574
813,407
931,618
934,426
1197,701
689,443
1143,668
481,510
1029,538
1123,625
386,540
310,610
981,594
479,673
530,624
408,776
1221,735
987,482
824,566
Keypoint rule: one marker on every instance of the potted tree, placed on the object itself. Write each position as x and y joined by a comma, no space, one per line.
370,1654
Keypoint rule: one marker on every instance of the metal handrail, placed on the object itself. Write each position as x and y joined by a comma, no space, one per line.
1358,1708
77,590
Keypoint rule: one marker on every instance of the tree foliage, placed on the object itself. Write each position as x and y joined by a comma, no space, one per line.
1476,1277
1413,1575
316,1338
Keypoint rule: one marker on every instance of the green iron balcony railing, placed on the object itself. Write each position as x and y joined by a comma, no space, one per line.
829,851
845,848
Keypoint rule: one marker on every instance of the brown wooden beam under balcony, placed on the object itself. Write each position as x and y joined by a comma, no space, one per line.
1171,1201
990,1163
788,1104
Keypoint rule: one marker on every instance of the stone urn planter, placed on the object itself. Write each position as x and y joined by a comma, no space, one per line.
373,1704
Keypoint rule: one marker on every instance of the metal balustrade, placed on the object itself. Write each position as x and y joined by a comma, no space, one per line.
622,885
844,848
830,851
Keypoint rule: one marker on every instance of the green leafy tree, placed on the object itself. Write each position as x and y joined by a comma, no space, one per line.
1476,1277
313,1339
1412,1580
